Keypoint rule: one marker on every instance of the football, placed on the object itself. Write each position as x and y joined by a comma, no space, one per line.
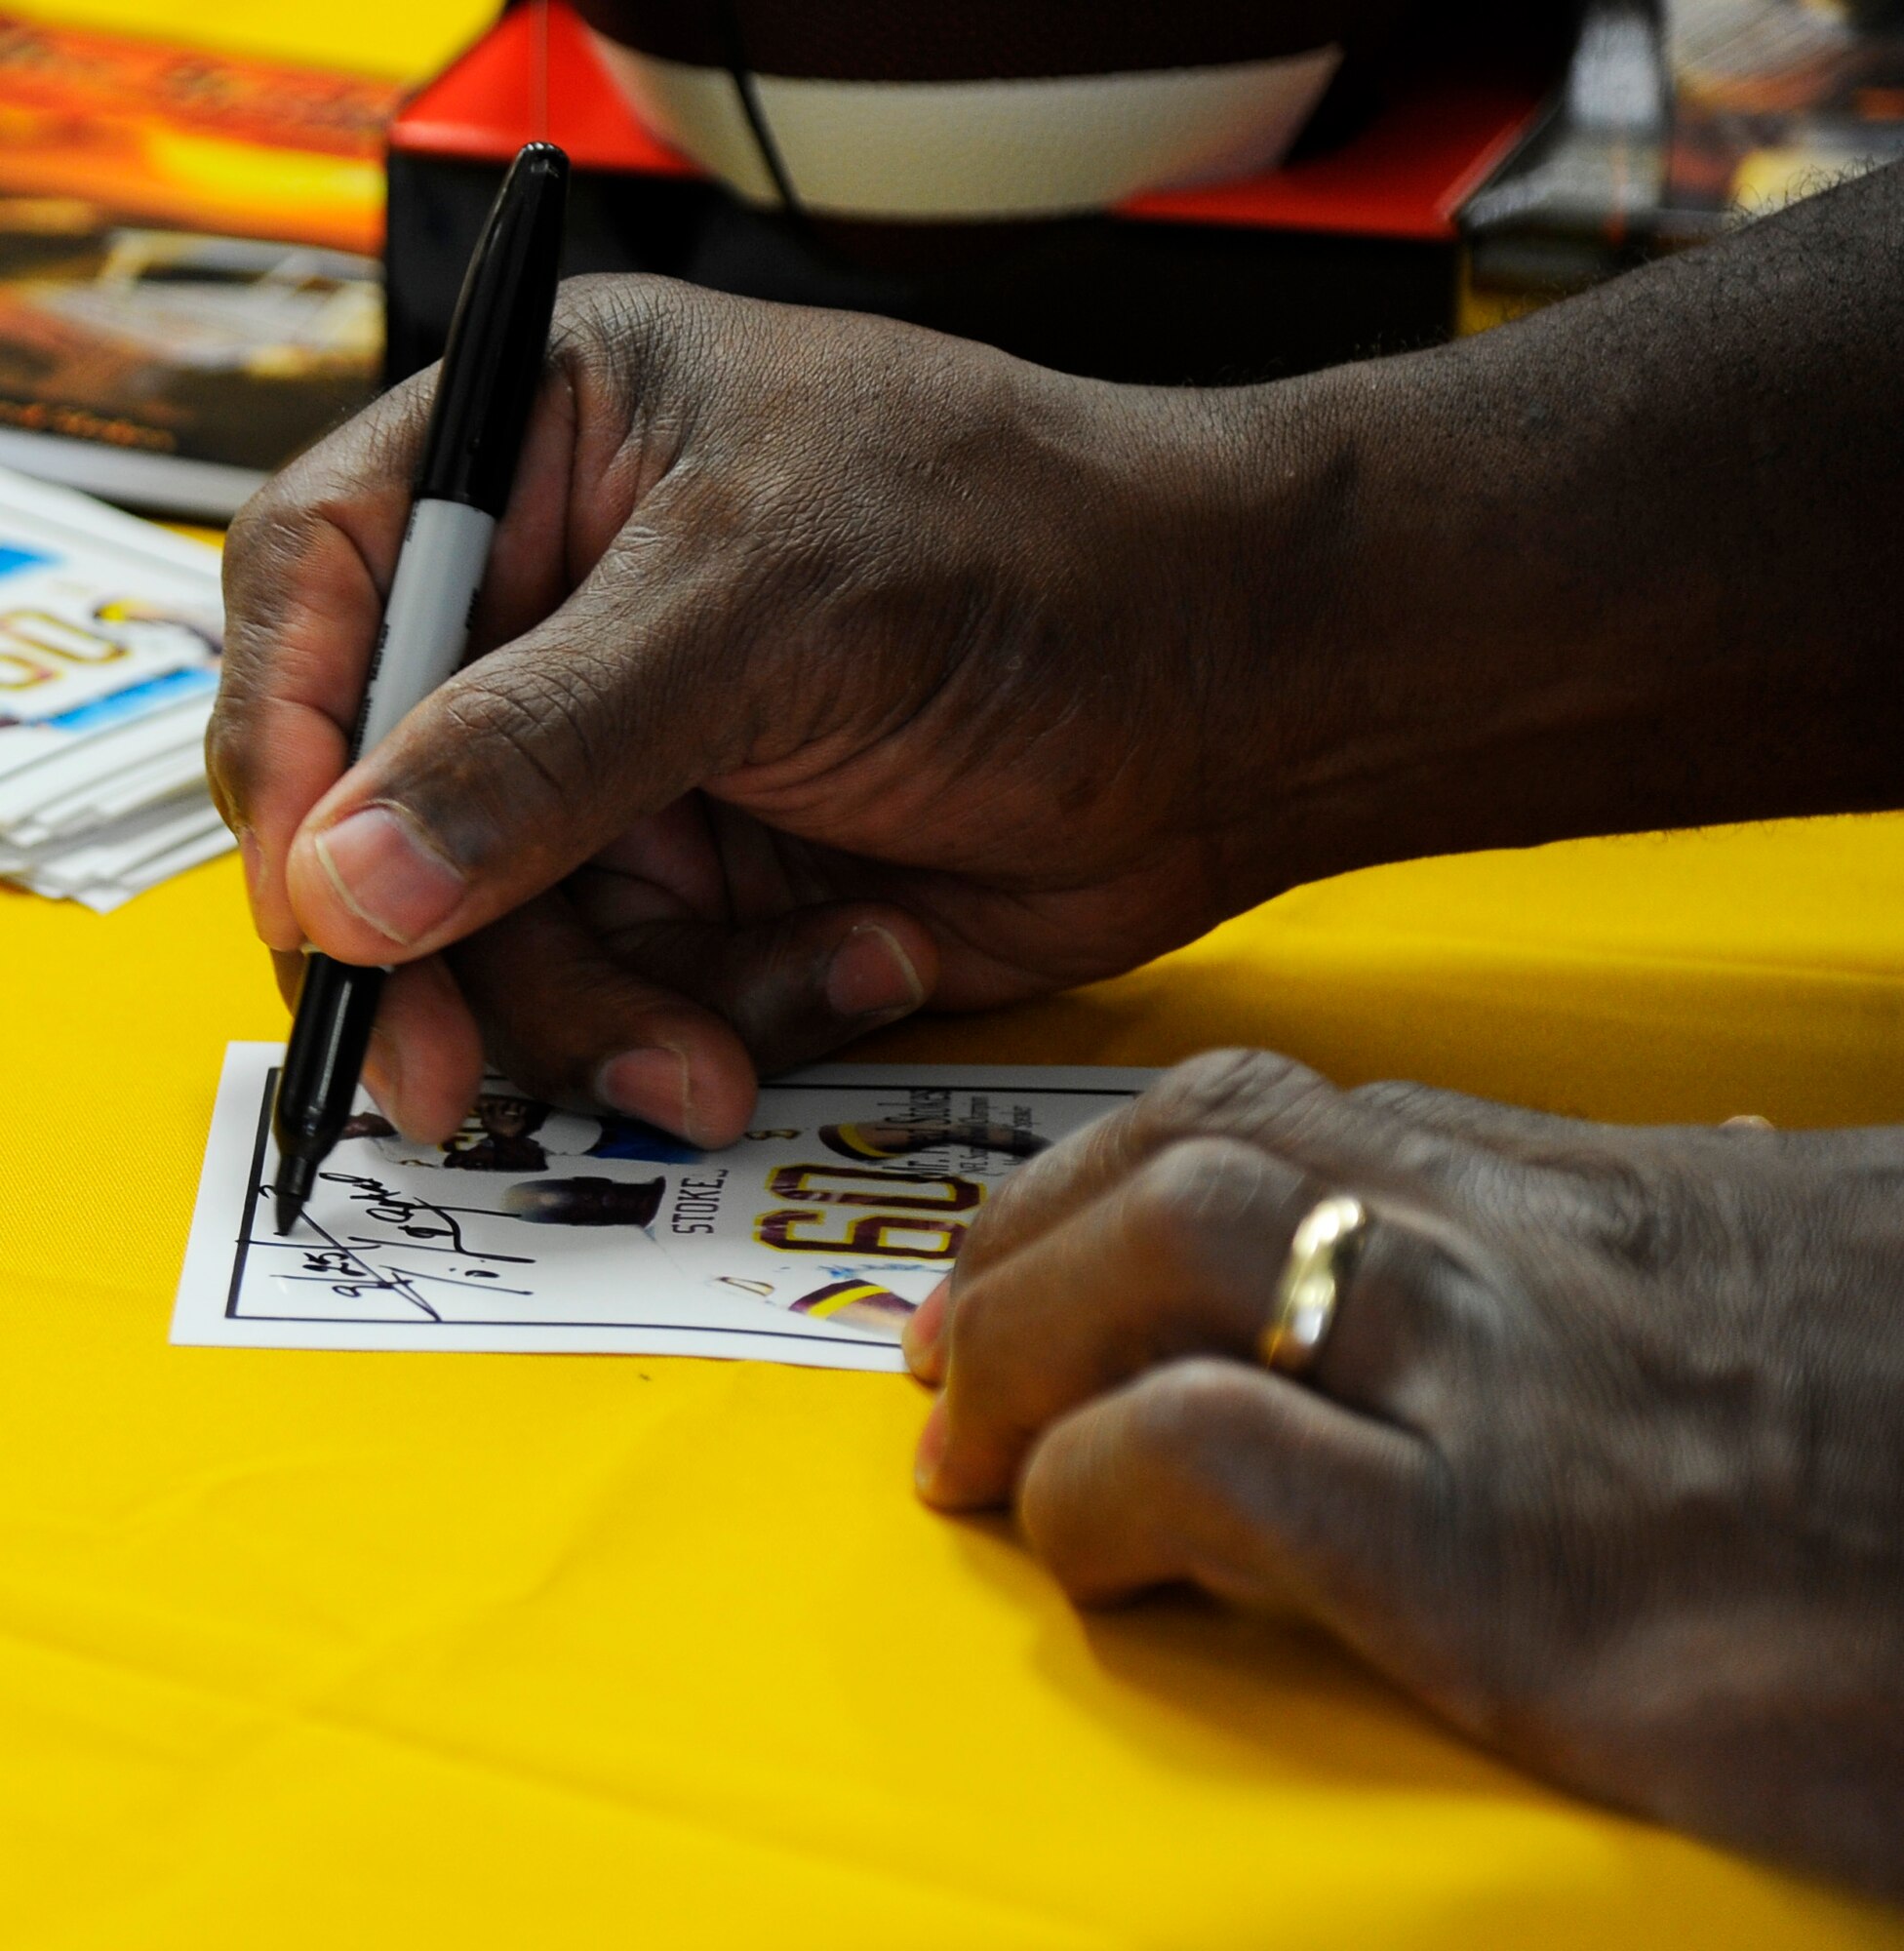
900,112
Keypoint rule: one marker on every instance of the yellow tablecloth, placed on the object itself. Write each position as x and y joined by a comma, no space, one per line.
379,1651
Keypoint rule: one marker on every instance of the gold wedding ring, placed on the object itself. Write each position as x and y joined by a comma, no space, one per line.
1319,1258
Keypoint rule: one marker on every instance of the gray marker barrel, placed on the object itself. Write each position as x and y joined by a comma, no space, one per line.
425,631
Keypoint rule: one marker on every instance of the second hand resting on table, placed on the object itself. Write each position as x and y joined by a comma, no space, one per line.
833,669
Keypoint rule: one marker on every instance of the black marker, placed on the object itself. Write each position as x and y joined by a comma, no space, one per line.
484,391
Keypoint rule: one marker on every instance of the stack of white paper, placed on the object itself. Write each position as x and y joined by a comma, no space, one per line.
110,632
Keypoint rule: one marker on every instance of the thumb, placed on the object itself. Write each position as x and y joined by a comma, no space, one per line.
509,777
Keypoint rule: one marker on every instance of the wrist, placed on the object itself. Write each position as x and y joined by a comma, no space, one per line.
1580,575
1318,714
1228,546
1303,582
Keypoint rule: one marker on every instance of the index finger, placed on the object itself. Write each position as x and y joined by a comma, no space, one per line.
307,569
307,565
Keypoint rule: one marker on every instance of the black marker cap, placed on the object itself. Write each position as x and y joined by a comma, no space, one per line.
337,1006
493,363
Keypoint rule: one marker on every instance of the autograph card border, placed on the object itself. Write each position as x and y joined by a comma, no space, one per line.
466,1336
253,1189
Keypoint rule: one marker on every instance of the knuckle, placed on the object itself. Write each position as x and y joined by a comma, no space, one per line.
1224,1464
612,332
1010,1212
604,309
590,331
234,759
586,304
972,1330
1046,1504
254,519
1034,1197
1183,1415
1060,1507
1193,1426
285,494
266,537
1191,1190
227,760
370,456
1402,1100
1634,1215
1227,1090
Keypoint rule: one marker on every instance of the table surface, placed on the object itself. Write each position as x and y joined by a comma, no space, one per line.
498,1651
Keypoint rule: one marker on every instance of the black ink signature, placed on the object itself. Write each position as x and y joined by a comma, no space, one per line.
359,1276
351,1275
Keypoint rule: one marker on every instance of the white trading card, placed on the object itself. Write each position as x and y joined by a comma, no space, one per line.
535,1229
92,636
110,640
